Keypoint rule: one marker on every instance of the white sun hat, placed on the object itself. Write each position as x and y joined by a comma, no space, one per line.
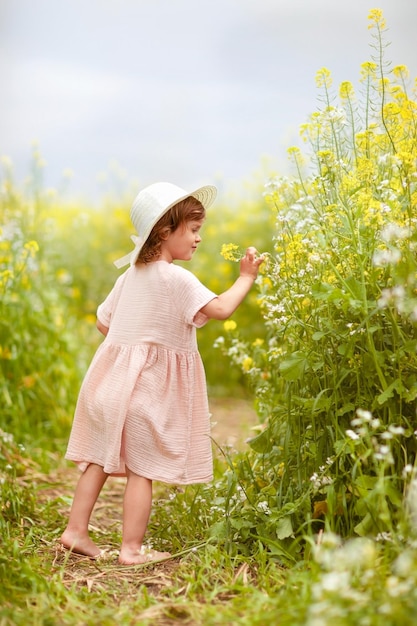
151,204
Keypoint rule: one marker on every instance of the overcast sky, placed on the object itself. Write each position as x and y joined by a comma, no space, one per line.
189,91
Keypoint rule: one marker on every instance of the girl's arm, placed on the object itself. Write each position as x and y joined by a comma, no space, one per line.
103,329
226,303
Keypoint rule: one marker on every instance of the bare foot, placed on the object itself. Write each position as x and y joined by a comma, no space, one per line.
144,555
80,545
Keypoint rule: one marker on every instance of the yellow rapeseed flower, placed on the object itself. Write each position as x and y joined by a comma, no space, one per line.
229,325
401,71
376,16
5,252
368,70
75,293
59,320
329,278
5,276
294,249
324,78
32,247
247,364
326,156
5,353
231,252
346,90
266,282
407,159
258,342
295,154
63,276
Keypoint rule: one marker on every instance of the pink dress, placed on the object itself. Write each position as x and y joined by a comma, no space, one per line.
143,402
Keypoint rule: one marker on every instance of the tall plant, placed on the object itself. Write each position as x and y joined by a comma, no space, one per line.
336,380
38,377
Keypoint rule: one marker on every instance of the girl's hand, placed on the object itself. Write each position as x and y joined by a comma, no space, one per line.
222,307
249,264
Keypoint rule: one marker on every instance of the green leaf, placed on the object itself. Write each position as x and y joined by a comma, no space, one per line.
239,523
346,408
410,394
365,526
365,483
293,368
397,386
261,443
393,494
284,528
344,349
219,530
356,289
276,548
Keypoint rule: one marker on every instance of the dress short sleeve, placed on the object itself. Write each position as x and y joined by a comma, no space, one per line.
106,308
190,296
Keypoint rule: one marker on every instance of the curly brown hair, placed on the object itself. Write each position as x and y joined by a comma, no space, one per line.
187,210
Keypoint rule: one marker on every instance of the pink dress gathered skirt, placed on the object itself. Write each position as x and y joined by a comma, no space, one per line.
143,402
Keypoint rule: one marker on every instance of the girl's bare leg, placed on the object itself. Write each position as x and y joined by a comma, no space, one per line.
75,537
136,511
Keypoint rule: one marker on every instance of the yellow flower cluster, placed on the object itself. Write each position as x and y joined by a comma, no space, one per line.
32,247
5,353
231,252
5,277
247,364
258,342
324,78
376,17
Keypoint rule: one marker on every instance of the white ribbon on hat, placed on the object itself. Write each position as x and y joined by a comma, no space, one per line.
132,256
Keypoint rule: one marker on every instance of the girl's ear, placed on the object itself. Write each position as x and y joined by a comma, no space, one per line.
164,234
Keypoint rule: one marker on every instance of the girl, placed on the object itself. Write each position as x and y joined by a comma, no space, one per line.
142,411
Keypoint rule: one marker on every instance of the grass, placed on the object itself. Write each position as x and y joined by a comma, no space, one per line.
44,584
359,581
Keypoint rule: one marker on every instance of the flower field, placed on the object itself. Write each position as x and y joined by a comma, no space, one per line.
314,521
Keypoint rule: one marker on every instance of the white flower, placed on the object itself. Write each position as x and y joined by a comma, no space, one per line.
7,437
366,416
387,435
384,450
408,469
352,434
394,232
404,564
396,430
381,258
333,581
359,552
263,507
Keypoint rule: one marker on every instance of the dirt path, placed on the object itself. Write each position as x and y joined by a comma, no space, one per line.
232,422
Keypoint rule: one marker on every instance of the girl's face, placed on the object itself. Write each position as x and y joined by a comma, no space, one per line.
181,244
